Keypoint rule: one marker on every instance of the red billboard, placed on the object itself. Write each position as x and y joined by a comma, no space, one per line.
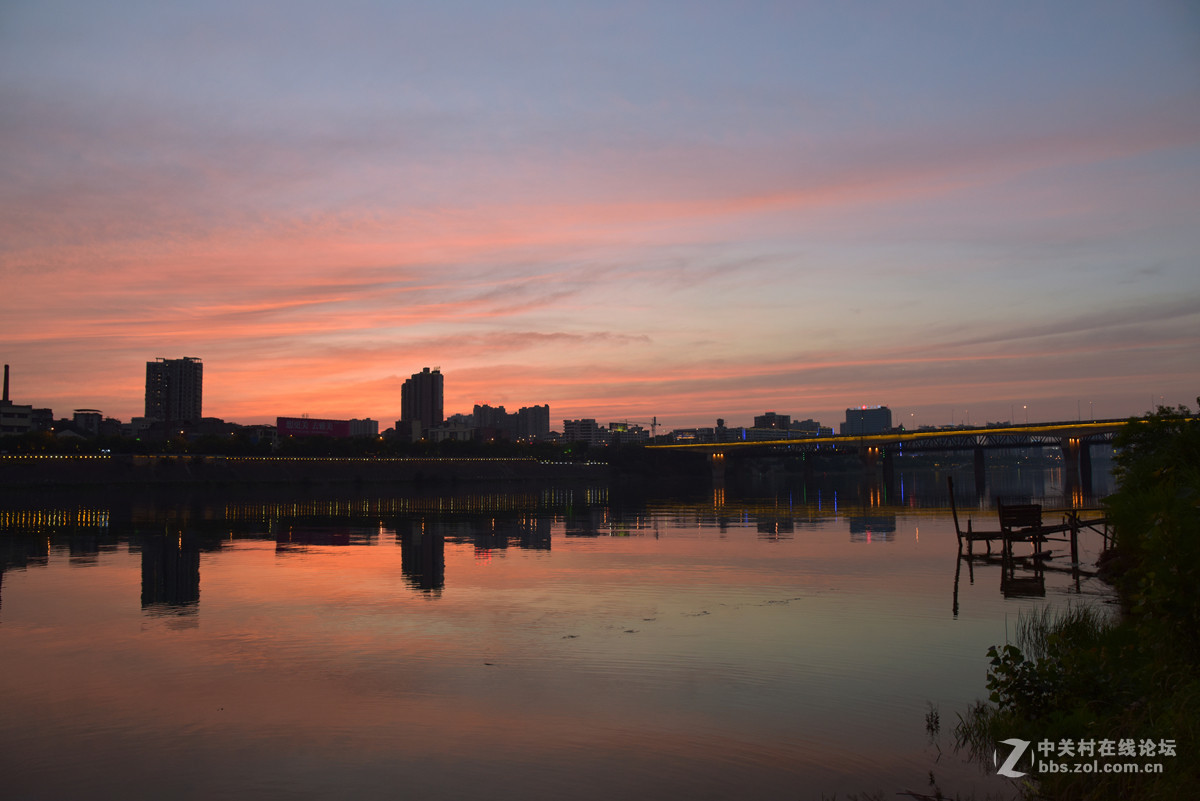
311,427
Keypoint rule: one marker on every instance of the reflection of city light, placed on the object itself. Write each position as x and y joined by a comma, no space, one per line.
37,519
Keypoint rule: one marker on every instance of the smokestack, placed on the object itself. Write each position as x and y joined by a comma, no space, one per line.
6,384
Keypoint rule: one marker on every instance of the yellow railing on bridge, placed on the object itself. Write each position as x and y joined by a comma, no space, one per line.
1062,430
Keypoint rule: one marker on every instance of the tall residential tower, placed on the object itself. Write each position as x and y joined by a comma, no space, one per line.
174,388
421,400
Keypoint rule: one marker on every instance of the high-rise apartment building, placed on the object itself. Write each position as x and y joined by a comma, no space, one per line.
533,422
174,390
421,399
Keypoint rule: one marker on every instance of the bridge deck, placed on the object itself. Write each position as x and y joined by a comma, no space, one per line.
941,439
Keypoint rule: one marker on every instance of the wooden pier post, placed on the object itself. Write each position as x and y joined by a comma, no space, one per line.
1073,519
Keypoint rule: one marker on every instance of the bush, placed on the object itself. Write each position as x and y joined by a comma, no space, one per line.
1156,520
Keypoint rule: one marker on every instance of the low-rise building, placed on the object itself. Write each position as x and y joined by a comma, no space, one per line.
87,422
626,433
583,430
867,420
15,419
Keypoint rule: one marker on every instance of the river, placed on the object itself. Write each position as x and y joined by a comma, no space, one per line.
572,642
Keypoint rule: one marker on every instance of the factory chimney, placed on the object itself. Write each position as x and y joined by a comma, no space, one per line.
6,385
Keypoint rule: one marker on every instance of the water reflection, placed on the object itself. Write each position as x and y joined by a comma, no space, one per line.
20,553
422,555
872,527
774,527
493,522
170,573
499,645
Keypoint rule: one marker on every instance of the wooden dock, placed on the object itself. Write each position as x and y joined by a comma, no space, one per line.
1024,523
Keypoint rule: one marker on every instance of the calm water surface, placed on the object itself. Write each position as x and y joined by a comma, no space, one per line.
510,645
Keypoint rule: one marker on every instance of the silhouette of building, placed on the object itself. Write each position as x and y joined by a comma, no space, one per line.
623,433
690,436
43,419
772,420
811,428
365,427
14,419
867,420
455,428
493,422
421,400
174,390
582,430
533,422
87,422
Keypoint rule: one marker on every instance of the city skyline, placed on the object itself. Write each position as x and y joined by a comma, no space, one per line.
422,393
679,212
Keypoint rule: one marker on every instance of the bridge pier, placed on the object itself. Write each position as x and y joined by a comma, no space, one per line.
1070,453
869,456
1085,466
716,461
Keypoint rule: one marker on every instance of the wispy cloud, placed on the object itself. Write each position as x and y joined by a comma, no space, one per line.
319,205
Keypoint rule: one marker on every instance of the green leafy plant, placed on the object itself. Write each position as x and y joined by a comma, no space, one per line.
1021,685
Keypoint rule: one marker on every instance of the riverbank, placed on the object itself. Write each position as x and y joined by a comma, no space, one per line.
122,470
1089,706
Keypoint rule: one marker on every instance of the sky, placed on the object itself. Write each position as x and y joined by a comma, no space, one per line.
968,212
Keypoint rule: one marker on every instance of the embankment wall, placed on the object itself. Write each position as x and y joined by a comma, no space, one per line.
134,470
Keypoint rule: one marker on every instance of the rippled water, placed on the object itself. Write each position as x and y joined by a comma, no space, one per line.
516,645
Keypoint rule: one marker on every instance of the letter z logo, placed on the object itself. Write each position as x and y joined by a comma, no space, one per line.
1018,750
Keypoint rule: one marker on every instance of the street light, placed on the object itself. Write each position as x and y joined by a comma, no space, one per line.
1026,408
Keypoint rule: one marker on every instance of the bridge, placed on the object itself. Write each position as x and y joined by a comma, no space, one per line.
1074,438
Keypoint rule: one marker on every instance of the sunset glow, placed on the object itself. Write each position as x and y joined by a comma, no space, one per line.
683,212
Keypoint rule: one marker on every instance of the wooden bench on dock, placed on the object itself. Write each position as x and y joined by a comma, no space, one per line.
1021,522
